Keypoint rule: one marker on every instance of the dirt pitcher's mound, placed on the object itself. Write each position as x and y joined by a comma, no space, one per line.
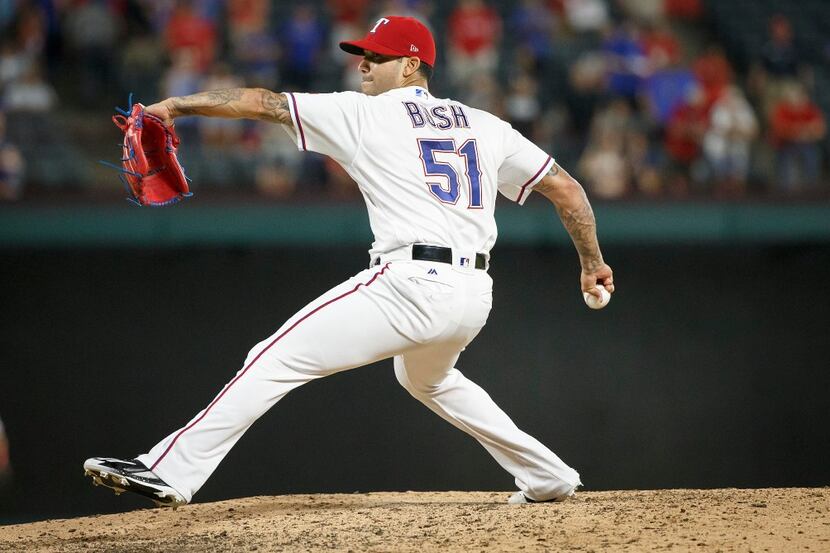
772,520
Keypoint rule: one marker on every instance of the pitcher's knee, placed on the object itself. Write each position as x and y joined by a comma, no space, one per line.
405,380
282,364
400,374
415,386
256,351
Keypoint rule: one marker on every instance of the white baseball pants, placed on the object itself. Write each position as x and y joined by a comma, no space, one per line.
419,312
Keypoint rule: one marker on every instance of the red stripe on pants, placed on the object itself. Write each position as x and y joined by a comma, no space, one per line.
251,364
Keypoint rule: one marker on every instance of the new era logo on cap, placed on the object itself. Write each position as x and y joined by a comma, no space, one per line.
394,35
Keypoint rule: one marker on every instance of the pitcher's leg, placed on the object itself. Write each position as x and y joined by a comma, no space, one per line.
428,374
340,330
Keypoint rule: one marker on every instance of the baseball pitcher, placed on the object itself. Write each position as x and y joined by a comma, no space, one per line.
429,170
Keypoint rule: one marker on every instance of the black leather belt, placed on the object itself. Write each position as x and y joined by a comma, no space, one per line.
421,252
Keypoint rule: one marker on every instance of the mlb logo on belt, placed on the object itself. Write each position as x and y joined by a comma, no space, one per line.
464,261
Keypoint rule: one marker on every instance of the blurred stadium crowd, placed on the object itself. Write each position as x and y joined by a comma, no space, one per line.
721,99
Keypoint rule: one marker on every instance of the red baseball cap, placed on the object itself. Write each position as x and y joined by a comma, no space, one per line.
394,35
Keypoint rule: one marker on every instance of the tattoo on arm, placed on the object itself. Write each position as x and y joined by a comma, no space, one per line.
545,186
275,107
554,170
576,214
247,103
200,104
581,225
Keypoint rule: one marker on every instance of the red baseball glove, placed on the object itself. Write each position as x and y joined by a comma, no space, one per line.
149,166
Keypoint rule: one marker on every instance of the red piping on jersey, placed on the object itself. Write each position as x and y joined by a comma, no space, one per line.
299,123
533,178
251,364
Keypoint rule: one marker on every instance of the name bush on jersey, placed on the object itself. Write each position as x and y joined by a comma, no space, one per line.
437,117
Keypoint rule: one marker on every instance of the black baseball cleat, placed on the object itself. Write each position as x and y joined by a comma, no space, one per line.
132,476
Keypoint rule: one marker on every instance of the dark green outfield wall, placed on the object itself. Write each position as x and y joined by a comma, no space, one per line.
709,368
213,224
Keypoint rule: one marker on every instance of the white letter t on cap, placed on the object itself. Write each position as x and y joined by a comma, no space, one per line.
382,20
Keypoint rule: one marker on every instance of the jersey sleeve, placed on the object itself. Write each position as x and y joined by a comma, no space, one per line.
328,124
523,166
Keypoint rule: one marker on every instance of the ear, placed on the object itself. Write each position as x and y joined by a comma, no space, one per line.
411,65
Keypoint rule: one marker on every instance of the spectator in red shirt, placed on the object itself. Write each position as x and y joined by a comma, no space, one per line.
352,12
187,30
661,46
797,127
474,35
684,137
714,73
683,9
247,15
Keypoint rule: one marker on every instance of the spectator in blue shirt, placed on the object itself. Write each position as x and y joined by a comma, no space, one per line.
626,61
303,40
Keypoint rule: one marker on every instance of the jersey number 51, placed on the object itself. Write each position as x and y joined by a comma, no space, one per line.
434,168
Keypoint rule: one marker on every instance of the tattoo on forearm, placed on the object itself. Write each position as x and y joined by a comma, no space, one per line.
197,104
275,107
248,103
582,227
576,214
222,97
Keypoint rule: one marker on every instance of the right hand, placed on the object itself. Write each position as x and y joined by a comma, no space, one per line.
163,110
601,275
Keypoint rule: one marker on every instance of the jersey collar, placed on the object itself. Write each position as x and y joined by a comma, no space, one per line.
409,92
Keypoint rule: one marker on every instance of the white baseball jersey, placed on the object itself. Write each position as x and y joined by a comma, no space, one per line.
428,168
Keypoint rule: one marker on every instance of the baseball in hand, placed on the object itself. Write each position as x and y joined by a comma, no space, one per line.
595,303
